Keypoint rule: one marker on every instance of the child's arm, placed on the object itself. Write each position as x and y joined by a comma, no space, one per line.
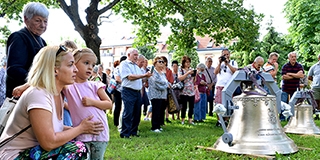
65,105
104,103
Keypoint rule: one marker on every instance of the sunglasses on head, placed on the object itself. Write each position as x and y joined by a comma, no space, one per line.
61,48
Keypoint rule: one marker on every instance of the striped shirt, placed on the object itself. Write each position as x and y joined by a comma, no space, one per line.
290,86
267,67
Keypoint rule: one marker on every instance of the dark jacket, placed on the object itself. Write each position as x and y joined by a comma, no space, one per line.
21,49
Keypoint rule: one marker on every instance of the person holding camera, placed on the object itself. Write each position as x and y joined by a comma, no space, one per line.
187,74
224,72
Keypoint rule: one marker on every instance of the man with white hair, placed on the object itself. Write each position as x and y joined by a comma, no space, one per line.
257,64
131,77
211,80
314,76
141,62
291,73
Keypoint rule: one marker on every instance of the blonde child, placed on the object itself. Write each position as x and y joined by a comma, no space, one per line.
87,98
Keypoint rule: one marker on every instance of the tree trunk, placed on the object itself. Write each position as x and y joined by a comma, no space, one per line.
93,41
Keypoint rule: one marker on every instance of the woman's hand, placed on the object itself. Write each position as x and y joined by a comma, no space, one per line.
90,127
202,82
190,72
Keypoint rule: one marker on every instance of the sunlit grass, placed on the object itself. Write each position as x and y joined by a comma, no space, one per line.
178,142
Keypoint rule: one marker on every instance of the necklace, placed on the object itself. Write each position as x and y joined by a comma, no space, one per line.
35,39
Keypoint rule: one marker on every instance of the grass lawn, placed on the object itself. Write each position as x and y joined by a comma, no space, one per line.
179,142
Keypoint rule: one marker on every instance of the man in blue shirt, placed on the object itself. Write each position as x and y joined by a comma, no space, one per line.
131,77
314,76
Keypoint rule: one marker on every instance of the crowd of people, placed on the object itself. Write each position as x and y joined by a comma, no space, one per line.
64,96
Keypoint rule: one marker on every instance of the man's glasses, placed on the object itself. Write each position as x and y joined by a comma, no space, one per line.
61,48
160,61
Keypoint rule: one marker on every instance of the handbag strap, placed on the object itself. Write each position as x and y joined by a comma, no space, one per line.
209,75
176,78
4,142
182,74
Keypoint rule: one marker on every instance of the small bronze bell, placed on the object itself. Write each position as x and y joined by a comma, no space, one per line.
302,122
255,128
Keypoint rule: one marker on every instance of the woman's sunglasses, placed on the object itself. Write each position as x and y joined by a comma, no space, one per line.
61,48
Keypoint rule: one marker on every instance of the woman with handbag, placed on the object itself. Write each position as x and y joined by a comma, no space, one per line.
186,74
41,107
158,85
170,79
201,87
176,86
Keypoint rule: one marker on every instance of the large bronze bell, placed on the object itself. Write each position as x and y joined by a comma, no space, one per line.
255,128
302,121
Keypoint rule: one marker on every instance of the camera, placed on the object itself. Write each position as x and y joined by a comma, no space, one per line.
223,58
194,73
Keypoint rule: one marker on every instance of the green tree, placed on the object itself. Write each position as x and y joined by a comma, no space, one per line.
271,42
304,30
222,20
276,42
5,32
147,51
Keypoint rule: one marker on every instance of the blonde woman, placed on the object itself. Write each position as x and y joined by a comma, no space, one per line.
41,107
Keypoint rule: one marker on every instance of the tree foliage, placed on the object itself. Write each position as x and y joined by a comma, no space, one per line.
147,51
222,20
5,32
304,30
276,42
271,42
